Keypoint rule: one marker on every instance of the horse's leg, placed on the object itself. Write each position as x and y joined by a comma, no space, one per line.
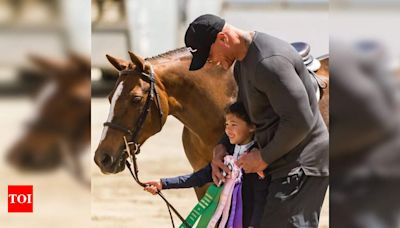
198,154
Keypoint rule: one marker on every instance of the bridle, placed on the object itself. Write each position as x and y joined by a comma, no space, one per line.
152,96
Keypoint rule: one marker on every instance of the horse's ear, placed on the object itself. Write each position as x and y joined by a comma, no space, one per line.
119,64
45,64
137,60
81,61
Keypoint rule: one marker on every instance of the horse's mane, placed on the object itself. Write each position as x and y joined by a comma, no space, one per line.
167,54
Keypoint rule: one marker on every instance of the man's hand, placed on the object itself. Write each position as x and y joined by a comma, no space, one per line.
252,162
217,164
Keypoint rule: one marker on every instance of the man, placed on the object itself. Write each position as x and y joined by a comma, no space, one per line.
276,90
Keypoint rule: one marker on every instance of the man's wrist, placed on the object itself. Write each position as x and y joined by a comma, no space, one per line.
219,150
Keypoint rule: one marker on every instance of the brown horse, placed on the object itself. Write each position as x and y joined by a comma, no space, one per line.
323,75
195,98
60,129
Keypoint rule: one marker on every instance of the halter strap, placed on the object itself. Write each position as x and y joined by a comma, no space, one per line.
135,134
152,93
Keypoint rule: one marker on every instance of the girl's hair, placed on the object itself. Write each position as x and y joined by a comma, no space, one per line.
239,111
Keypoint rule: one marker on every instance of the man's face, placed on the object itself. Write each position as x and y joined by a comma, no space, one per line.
220,53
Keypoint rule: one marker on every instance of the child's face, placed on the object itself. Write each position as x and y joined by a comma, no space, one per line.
238,130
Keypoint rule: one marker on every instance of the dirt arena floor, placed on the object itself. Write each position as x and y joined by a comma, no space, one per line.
119,202
58,199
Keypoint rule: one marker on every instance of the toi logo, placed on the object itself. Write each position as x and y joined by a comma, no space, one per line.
20,198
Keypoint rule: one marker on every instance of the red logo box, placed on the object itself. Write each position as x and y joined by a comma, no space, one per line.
20,198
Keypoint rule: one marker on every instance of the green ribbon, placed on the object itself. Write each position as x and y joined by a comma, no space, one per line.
204,208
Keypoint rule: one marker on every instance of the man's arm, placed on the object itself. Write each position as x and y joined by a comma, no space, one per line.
217,164
220,150
225,142
277,78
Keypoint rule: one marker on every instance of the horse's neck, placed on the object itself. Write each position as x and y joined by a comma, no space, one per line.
198,98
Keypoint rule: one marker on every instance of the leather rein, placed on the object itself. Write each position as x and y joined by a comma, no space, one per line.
152,96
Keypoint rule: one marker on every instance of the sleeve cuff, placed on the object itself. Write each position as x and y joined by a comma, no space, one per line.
164,183
266,156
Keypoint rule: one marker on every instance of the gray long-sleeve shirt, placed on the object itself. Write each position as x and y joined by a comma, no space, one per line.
277,92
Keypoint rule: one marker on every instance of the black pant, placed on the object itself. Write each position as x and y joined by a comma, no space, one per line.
294,201
364,203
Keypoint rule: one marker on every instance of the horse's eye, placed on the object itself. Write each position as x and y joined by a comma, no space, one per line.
136,99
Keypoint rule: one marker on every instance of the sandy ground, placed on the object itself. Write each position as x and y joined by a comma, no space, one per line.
119,202
58,200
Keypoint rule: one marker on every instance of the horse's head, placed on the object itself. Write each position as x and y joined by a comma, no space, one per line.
128,100
61,124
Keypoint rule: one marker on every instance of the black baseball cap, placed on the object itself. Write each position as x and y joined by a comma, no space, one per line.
199,37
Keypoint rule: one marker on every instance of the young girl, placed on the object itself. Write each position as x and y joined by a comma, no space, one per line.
240,132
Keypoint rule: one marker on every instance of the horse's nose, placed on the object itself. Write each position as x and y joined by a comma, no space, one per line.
104,160
27,157
19,154
12,156
21,157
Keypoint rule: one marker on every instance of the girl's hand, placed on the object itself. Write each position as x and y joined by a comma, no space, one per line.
153,186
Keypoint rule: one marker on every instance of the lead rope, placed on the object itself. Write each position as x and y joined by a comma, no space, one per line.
136,178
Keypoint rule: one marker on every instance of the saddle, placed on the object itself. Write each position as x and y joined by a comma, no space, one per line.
304,51
311,64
